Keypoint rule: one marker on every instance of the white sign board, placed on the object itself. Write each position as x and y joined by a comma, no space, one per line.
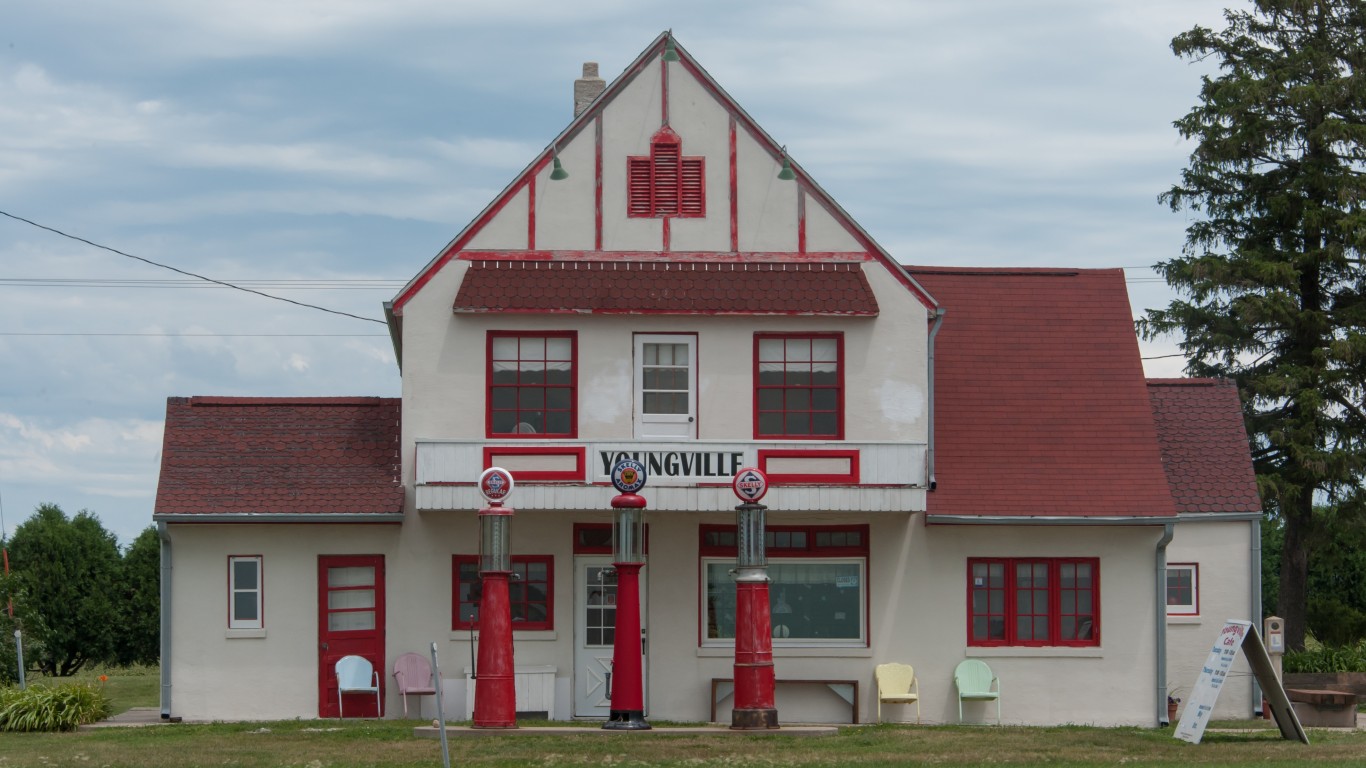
1232,639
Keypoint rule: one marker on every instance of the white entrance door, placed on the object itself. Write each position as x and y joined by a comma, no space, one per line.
666,386
595,617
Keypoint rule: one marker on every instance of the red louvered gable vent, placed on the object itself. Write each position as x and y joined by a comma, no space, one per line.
666,183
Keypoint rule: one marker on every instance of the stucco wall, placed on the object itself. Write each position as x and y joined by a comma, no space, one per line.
1223,552
917,609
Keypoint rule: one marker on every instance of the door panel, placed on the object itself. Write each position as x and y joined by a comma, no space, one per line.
350,621
665,386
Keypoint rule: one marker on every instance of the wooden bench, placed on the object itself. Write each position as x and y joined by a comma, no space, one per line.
1324,709
723,687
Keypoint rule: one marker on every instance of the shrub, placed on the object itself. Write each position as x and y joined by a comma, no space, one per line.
52,708
1345,658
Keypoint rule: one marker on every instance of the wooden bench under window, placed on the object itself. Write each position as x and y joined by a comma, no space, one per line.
723,687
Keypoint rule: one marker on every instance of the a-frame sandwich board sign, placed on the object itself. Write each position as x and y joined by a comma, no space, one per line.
1237,635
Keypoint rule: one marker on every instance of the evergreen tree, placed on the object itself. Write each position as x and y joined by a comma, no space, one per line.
64,581
1272,274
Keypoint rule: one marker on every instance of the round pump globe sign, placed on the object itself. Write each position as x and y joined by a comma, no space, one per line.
628,476
495,483
750,485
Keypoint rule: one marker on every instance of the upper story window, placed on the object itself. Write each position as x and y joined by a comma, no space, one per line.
799,385
666,183
532,381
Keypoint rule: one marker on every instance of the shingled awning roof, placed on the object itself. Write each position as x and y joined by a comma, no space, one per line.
298,459
1041,406
667,287
1205,447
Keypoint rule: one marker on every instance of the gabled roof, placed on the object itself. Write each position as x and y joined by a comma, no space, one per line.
585,121
324,458
1041,407
1205,446
666,288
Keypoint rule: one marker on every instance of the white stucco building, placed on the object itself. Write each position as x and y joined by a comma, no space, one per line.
965,463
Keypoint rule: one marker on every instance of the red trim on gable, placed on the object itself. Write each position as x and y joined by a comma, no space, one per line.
734,195
531,214
597,183
663,92
801,220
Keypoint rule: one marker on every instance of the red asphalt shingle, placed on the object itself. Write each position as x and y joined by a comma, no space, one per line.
1041,407
669,287
1205,446
295,456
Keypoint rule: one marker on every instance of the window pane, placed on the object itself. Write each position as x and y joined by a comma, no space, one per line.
532,348
824,424
505,348
351,598
770,423
825,349
244,606
557,423
797,424
531,398
559,348
559,376
798,350
244,574
998,601
770,350
346,622
770,399
504,421
353,576
825,399
798,400
979,628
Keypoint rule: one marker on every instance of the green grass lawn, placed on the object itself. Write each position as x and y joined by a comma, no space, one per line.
321,743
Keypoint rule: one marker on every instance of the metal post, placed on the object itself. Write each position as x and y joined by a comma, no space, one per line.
754,675
19,652
440,711
627,712
495,690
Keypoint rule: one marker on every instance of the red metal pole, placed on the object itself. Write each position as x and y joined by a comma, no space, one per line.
627,695
495,689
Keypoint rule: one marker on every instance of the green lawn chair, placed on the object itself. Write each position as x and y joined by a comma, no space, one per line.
975,682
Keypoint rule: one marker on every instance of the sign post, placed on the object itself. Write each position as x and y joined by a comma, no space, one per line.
754,677
627,711
495,688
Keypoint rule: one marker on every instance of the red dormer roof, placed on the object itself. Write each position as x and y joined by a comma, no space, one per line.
663,287
1204,445
1041,407
324,458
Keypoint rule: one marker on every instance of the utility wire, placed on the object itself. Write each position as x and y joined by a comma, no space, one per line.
188,274
205,335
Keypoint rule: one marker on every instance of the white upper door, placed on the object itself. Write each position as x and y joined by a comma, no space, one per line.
666,386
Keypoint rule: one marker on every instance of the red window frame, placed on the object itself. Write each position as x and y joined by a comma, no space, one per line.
666,183
519,592
531,399
796,396
1194,602
790,540
1042,602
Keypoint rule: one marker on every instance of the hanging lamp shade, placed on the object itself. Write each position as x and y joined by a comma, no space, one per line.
670,52
558,173
786,174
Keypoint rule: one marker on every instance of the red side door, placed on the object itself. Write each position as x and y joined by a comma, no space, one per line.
350,621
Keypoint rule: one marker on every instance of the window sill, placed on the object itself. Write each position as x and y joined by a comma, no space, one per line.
1036,652
530,635
245,634
794,652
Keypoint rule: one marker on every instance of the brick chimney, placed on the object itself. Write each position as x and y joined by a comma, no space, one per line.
587,87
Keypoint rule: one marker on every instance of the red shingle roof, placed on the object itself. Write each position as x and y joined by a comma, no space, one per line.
1204,445
280,456
1042,409
666,287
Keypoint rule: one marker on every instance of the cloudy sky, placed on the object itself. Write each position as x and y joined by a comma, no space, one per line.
324,151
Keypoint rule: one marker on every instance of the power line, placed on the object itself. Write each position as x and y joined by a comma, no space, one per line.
186,273
359,284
